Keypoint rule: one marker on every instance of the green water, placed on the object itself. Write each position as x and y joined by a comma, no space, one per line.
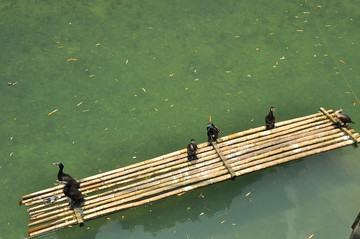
149,74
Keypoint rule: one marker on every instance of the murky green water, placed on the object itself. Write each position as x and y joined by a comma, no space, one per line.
147,77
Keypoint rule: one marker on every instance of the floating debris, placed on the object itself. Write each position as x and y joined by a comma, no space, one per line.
12,84
52,112
72,59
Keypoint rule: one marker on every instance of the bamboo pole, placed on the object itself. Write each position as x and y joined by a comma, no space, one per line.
273,145
296,156
284,152
302,124
262,128
276,150
222,157
270,139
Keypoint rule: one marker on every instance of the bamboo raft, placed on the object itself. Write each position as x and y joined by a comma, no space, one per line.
172,174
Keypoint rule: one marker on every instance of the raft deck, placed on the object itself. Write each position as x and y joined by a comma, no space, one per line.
172,174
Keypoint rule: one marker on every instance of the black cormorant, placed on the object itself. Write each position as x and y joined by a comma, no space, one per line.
343,117
212,132
75,196
270,119
65,177
191,150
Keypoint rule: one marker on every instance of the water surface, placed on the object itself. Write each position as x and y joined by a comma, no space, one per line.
135,79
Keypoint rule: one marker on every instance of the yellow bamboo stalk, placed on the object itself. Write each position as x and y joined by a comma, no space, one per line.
271,146
280,131
296,156
266,140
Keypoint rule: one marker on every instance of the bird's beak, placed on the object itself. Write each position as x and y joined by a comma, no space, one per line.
210,118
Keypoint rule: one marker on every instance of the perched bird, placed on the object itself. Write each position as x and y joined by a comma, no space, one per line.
270,119
343,117
191,150
212,132
75,197
65,177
